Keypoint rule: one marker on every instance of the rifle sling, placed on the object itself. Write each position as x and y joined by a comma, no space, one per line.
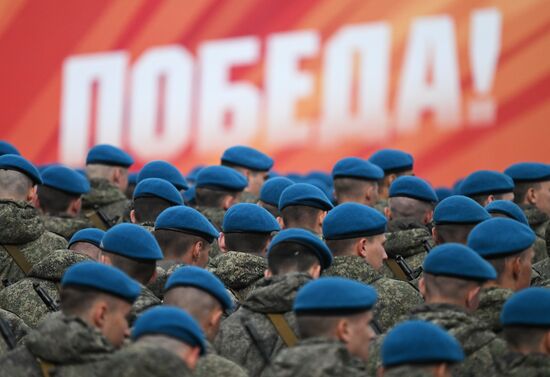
397,271
18,258
45,367
283,329
96,220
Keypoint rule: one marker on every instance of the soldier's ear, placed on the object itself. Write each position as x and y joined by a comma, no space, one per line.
442,370
133,216
472,298
546,342
343,331
531,196
281,222
387,213
98,314
422,287
221,243
268,273
428,216
32,196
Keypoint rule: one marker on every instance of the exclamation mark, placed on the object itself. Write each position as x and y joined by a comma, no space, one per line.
485,33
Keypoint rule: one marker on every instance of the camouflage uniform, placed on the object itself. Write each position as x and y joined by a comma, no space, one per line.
18,328
539,222
212,364
108,199
215,216
145,300
248,337
543,268
248,197
21,225
491,301
66,342
65,226
144,360
21,298
380,206
407,371
411,240
517,365
238,271
395,297
157,286
316,357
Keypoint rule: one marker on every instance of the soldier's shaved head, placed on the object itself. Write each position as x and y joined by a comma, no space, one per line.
14,185
116,175
303,217
404,207
450,290
355,190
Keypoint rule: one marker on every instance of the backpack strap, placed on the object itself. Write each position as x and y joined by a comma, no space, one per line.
283,329
18,258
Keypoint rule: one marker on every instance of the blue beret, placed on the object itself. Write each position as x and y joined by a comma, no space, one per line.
89,235
353,220
334,295
164,170
171,322
486,182
295,177
7,148
456,186
192,276
326,178
507,208
186,220
247,157
392,160
443,193
221,177
304,194
457,260
106,154
354,167
157,188
273,188
131,241
249,218
103,278
500,237
413,187
528,307
431,343
458,209
132,178
192,175
20,164
529,172
65,179
189,196
307,239
327,190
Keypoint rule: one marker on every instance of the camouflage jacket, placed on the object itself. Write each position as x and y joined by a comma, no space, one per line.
407,371
214,214
517,365
248,337
145,300
481,346
238,271
381,205
248,197
65,226
491,301
212,364
411,240
108,199
142,359
66,342
395,297
316,357
543,268
21,298
157,285
539,222
21,225
18,328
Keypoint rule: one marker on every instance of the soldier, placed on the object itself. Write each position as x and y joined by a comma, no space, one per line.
394,163
531,193
253,164
163,170
333,317
265,324
95,300
484,186
132,182
354,234
217,189
59,198
508,245
87,242
506,208
204,297
151,197
455,217
356,180
167,342
271,193
7,148
192,175
304,206
247,231
443,193
13,330
107,168
527,331
433,355
135,251
453,276
410,212
23,239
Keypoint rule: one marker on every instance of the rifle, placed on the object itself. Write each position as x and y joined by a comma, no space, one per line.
411,274
7,334
46,298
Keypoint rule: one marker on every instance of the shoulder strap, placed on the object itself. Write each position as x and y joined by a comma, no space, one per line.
283,329
18,258
397,271
45,367
96,220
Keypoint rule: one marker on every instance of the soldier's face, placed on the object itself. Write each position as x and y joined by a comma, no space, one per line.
375,253
542,196
256,180
361,335
115,327
525,264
